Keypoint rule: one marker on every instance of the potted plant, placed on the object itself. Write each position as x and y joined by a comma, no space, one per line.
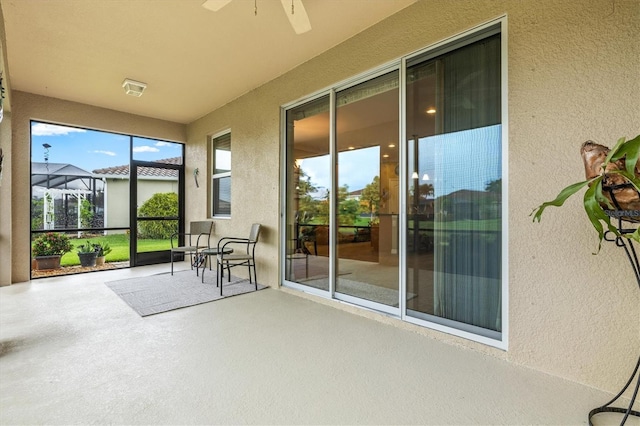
48,248
102,249
87,254
613,181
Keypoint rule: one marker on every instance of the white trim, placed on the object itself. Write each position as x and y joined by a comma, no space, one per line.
219,134
282,182
306,289
457,332
348,82
333,193
504,86
213,176
392,311
368,75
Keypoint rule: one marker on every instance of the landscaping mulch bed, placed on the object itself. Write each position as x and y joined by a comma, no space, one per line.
68,270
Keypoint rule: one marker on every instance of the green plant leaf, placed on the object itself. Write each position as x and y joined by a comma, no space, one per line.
595,213
632,154
630,150
613,151
600,197
635,235
561,198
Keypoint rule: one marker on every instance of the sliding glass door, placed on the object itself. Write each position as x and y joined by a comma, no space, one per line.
393,192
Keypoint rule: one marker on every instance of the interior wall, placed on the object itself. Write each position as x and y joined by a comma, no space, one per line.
572,76
27,107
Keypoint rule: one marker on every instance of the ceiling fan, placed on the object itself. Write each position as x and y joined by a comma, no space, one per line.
293,8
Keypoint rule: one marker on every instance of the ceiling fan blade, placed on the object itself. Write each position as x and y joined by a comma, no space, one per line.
215,5
299,19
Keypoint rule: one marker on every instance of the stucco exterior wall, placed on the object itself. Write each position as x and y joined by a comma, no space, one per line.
572,76
5,204
117,197
116,203
5,177
27,107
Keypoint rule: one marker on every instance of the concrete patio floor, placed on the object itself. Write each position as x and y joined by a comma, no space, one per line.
72,352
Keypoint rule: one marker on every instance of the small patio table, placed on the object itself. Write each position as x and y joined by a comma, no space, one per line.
208,252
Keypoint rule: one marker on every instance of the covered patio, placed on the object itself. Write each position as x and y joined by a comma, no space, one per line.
569,330
290,361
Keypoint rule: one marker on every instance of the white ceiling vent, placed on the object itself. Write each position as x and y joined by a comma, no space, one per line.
133,88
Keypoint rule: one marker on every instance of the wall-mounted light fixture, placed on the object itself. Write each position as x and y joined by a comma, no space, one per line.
133,88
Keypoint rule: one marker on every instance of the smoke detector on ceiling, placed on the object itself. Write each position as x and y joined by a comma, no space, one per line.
133,88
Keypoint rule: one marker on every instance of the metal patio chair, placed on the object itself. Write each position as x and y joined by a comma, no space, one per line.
197,238
243,255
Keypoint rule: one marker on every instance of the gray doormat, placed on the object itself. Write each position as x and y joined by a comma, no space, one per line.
165,292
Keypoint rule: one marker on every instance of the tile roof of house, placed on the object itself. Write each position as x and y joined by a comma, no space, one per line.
143,171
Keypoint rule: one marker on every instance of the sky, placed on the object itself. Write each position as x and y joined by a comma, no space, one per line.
91,150
468,159
463,160
356,169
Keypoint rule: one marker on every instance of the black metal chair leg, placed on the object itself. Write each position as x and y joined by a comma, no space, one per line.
219,270
255,276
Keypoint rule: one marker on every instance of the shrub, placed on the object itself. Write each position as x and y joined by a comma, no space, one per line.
51,244
37,213
160,204
86,214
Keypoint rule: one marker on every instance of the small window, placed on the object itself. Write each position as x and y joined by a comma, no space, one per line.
221,175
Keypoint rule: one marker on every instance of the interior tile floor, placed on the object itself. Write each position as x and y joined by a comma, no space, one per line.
72,352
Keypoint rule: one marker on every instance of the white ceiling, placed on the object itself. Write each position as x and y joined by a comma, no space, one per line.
192,59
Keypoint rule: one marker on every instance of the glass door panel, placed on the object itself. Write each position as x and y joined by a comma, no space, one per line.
367,123
454,194
308,183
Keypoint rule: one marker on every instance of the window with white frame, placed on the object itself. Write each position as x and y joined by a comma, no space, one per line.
221,175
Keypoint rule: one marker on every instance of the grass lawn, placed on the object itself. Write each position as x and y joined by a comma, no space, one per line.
119,248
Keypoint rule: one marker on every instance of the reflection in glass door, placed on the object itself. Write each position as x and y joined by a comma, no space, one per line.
367,123
157,191
454,194
307,203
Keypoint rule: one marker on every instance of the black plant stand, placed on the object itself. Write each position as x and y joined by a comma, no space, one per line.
632,255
